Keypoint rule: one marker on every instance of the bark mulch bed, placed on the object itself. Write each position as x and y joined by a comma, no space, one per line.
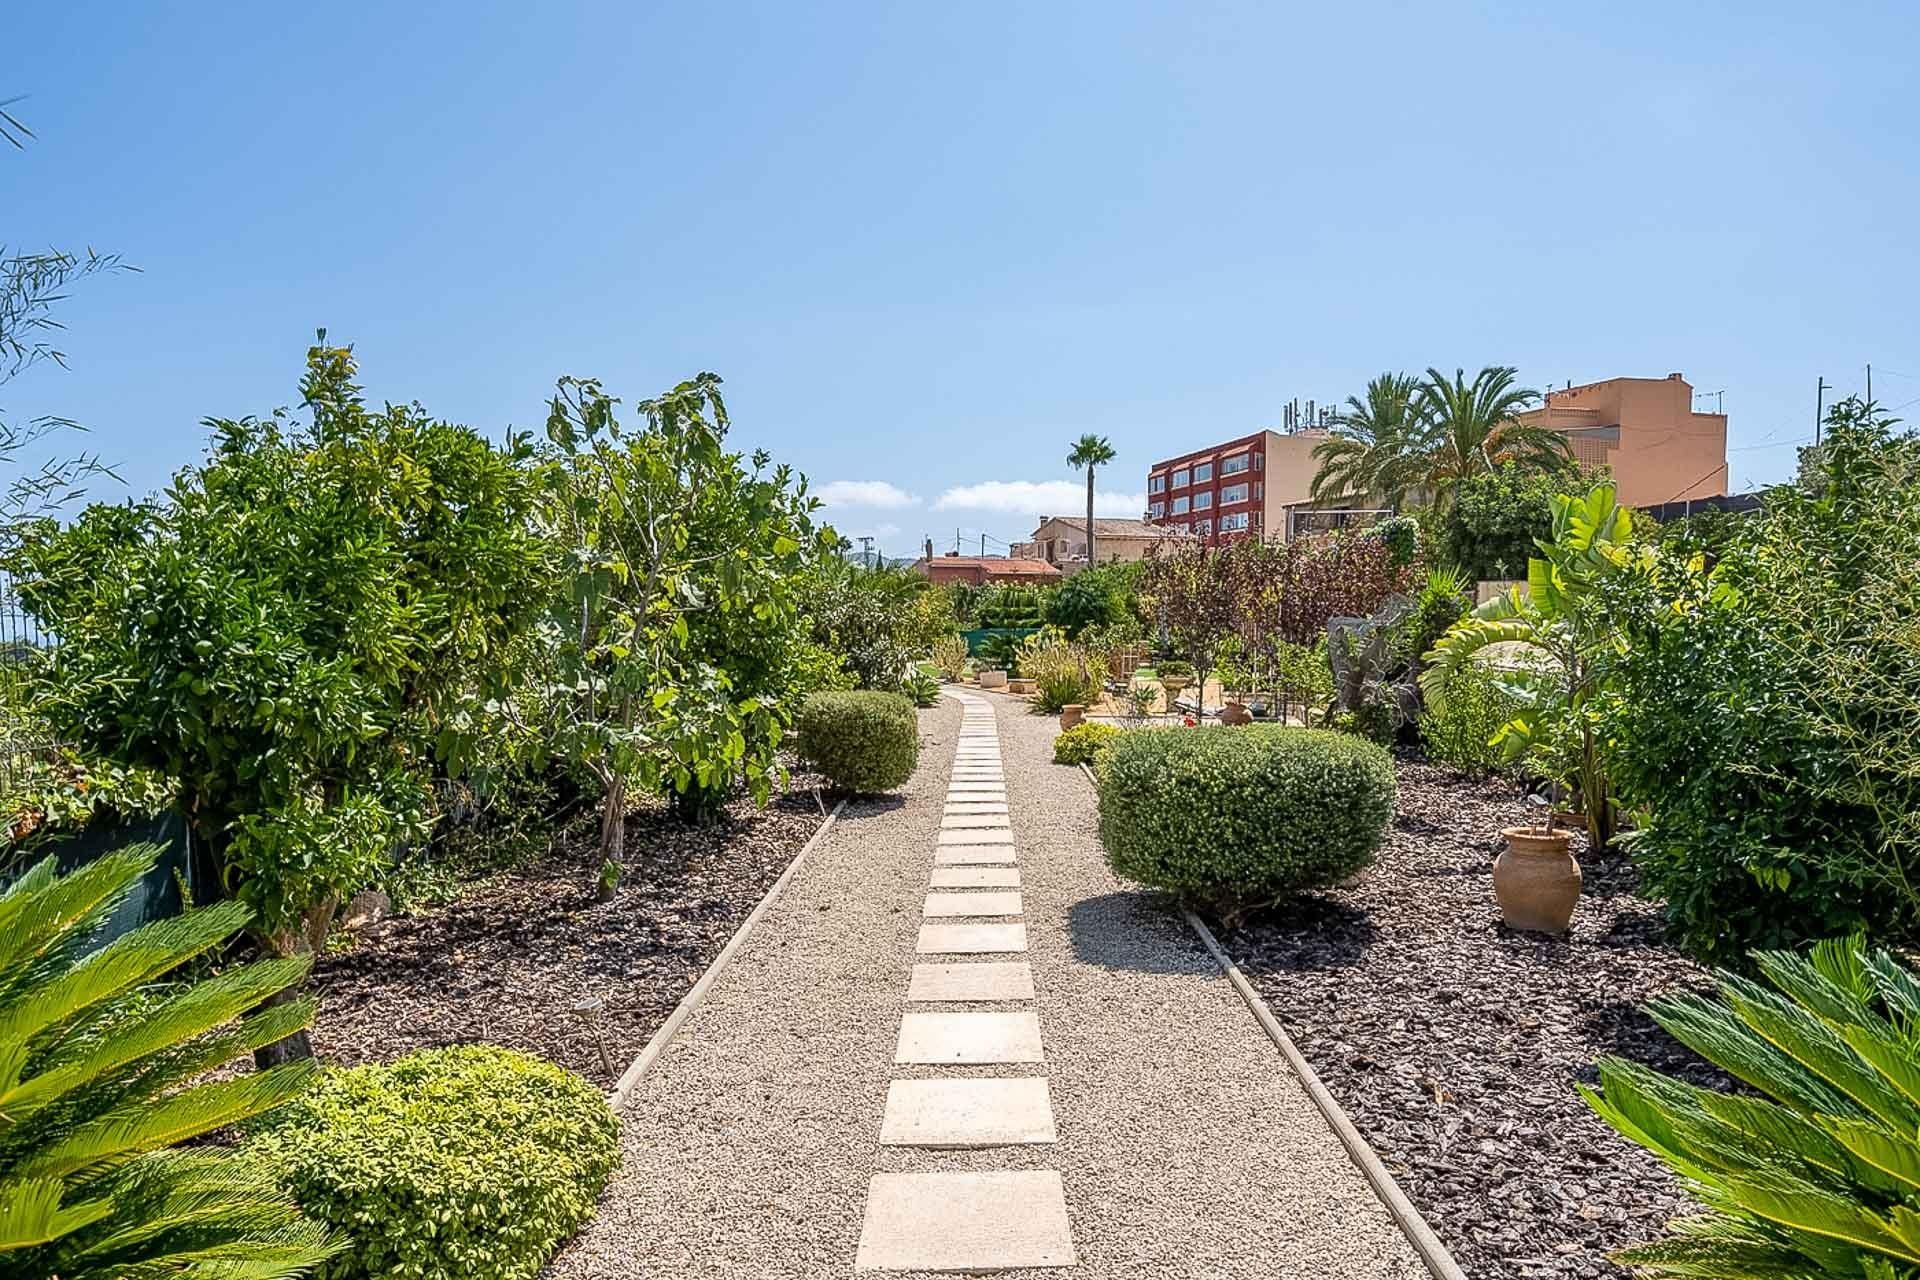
1455,1043
507,961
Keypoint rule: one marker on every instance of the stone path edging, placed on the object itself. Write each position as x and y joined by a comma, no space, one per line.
1433,1254
697,994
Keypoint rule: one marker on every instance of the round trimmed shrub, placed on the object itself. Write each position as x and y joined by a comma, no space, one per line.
862,740
1238,818
467,1163
1081,743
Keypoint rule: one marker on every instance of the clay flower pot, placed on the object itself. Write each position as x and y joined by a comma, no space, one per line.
1536,881
1235,713
1071,715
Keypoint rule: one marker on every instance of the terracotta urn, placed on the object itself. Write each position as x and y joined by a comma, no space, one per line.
1235,713
1536,880
1071,715
993,679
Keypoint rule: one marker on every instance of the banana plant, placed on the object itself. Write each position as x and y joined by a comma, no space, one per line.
1560,631
1815,1170
100,1079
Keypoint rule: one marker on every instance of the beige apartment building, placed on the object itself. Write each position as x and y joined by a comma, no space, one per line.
1061,541
1647,431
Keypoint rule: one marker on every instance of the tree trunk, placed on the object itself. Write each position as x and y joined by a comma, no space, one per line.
1089,517
613,838
300,1043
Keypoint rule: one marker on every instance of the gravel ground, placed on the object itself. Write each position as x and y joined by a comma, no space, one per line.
1455,1043
507,961
1187,1150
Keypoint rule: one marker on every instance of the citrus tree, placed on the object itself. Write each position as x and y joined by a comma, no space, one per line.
296,633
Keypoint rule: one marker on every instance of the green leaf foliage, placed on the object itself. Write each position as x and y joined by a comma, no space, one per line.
1082,743
1239,818
466,1163
863,740
294,630
1498,517
1767,723
1462,731
100,1076
1819,1175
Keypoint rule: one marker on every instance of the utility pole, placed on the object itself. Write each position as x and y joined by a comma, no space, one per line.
983,545
866,550
1869,383
1820,407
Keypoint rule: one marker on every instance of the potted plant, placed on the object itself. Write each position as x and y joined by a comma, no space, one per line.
1175,675
1071,715
1536,879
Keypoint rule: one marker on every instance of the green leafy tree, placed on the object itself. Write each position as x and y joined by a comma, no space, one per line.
1561,626
1498,516
1090,452
676,634
1813,1169
294,633
100,1077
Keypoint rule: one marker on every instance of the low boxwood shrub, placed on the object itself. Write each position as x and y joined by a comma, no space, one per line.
862,740
1081,743
466,1163
1237,818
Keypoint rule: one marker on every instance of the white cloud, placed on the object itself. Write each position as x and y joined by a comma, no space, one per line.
1038,498
865,493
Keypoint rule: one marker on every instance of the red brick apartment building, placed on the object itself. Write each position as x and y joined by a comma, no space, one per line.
1242,486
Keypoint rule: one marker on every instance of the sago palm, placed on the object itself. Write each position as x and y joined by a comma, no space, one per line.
1092,452
98,1079
1374,448
1470,427
1816,1173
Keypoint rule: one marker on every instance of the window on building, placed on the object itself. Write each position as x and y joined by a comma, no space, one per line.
1179,506
1235,465
1259,490
1233,493
1202,472
1259,461
1233,523
1156,510
1180,478
1202,500
1203,527
1156,484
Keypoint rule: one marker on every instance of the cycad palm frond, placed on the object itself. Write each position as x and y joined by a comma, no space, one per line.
1822,1176
97,1079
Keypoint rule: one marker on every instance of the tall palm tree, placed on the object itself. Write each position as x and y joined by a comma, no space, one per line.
1471,427
1370,441
1427,435
1092,452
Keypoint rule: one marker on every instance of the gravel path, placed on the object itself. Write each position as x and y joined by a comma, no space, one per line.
1185,1148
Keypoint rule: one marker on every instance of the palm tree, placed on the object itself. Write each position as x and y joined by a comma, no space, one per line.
1370,442
1092,452
1469,427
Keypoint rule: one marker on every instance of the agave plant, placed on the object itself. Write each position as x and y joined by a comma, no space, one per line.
1820,1175
99,1078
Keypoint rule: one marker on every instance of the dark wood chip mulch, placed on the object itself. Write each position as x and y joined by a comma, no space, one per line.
1455,1043
507,962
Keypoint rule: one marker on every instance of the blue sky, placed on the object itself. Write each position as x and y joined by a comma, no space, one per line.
929,245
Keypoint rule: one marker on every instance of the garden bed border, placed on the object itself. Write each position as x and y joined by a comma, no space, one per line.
1433,1254
697,994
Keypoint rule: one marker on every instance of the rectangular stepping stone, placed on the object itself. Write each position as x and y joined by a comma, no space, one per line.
965,1222
964,857
971,787
977,980
969,1039
976,877
972,904
970,939
976,837
994,774
967,1113
976,806
975,822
